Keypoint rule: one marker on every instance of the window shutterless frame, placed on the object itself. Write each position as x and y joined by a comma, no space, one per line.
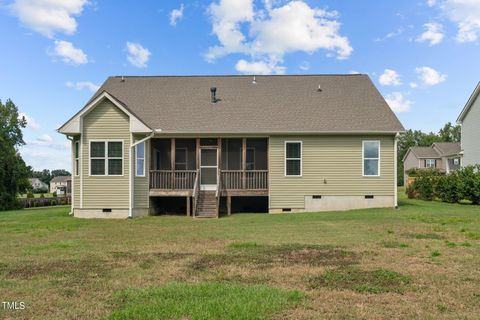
297,159
105,157
363,158
142,158
76,155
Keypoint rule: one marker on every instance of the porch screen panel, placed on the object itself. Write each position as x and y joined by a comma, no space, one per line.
232,154
260,153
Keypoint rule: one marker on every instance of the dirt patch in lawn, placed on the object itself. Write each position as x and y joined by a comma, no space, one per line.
374,281
264,256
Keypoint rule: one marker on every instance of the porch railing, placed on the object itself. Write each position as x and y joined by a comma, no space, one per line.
170,180
241,180
230,179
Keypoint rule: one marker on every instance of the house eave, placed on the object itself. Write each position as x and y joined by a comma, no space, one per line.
469,104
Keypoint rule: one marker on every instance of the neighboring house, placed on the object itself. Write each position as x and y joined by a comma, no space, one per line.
61,184
38,184
205,144
444,156
469,119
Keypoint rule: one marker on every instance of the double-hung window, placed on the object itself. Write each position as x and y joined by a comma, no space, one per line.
76,153
371,158
140,159
293,158
430,163
106,158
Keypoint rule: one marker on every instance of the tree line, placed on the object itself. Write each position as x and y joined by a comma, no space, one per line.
14,172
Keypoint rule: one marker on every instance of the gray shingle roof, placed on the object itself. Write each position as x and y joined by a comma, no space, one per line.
274,104
61,178
425,152
448,148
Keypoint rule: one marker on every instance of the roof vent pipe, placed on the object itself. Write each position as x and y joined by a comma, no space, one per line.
319,88
123,79
213,90
254,80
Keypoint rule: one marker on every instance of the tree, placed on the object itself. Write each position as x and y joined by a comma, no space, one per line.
450,133
13,170
60,172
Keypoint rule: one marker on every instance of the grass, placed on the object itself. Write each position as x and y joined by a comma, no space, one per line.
375,281
420,261
202,301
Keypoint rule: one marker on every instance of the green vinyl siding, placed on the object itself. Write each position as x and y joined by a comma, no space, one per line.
105,122
141,187
331,165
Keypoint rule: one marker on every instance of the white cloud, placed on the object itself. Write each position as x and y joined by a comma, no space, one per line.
390,78
431,3
433,33
259,67
430,76
465,14
413,85
31,122
176,14
80,85
398,103
137,55
69,54
45,138
267,35
48,17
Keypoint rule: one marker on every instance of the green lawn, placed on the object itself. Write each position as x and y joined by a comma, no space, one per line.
420,261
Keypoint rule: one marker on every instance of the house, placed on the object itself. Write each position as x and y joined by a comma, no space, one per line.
202,145
61,184
444,156
37,184
469,119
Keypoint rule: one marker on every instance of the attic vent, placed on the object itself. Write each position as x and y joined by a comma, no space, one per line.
213,91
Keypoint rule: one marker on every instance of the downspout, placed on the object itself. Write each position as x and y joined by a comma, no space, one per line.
130,175
73,177
395,188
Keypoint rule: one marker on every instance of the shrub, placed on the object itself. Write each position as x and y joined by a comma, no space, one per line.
40,190
469,184
425,184
447,188
42,196
53,203
30,195
54,194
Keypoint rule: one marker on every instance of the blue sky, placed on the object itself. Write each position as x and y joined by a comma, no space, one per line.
423,55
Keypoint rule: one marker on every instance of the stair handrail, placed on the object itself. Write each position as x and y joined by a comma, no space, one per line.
195,192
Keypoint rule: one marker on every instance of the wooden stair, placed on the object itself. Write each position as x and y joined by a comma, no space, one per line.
207,205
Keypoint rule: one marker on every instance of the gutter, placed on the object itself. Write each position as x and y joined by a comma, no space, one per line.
130,176
73,180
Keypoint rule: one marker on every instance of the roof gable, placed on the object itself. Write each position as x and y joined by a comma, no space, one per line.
469,104
73,126
273,104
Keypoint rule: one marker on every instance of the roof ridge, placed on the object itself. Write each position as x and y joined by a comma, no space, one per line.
243,75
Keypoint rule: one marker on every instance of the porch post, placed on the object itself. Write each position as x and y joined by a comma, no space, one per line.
229,205
197,153
244,163
172,161
188,206
219,160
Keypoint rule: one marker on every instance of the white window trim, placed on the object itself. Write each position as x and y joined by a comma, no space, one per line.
106,158
76,149
285,159
363,158
138,158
